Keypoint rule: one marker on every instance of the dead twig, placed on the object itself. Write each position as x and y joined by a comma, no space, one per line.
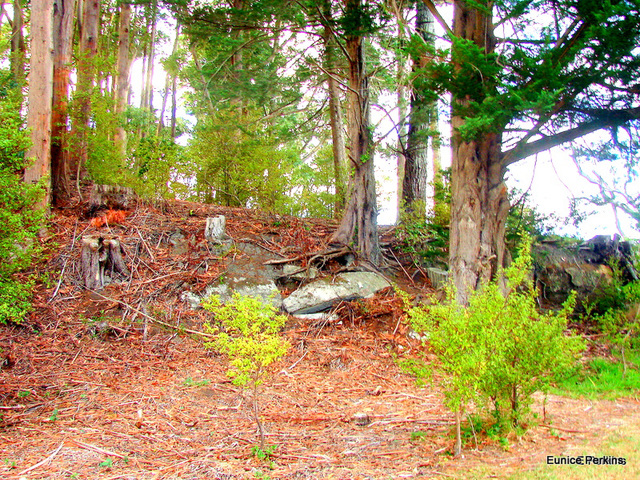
568,430
94,448
46,460
154,320
336,252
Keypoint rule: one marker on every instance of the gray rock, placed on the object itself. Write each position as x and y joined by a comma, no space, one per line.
322,294
246,275
299,273
192,299
559,270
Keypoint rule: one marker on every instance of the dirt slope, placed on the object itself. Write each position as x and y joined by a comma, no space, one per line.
93,389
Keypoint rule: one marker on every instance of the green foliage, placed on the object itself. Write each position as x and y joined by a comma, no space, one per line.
499,349
54,415
240,162
248,334
615,308
604,378
417,367
524,220
190,382
425,239
19,221
156,163
265,454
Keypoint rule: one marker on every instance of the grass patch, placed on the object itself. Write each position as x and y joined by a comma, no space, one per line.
623,444
604,379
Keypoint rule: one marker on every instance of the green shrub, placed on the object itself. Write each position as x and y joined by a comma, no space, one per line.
424,238
248,333
499,350
19,221
614,309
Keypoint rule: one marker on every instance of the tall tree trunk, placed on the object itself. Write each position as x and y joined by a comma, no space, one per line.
441,210
18,48
150,61
123,76
174,105
3,13
40,93
414,188
335,115
479,204
171,76
86,77
360,221
143,76
63,14
401,100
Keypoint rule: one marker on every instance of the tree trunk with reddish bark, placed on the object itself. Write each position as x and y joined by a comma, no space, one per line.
124,71
40,94
86,78
479,203
63,14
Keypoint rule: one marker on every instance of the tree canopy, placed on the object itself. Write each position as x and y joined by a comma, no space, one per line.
280,99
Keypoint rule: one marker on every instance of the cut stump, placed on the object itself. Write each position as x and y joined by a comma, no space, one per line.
101,255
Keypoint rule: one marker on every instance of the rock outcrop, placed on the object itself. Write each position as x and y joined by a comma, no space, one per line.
583,268
322,294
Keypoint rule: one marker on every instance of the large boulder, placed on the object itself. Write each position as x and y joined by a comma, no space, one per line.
322,294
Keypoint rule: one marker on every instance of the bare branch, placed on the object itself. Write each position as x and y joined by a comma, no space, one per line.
602,119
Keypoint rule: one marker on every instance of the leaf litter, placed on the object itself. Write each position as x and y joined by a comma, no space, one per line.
115,384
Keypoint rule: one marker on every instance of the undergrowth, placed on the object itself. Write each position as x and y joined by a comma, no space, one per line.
604,378
247,331
497,351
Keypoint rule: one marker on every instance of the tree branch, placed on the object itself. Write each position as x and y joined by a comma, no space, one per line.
602,119
436,14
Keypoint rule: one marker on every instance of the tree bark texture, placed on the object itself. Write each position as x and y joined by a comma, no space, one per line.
40,93
416,168
170,80
63,14
148,86
86,77
123,75
402,91
17,43
359,222
335,115
479,204
100,255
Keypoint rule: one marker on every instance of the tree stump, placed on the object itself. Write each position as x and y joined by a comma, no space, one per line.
100,255
214,230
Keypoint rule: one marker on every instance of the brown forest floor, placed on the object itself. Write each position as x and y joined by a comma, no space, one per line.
137,401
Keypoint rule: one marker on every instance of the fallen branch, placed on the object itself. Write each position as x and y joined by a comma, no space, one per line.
154,320
46,460
88,446
336,252
403,269
568,430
